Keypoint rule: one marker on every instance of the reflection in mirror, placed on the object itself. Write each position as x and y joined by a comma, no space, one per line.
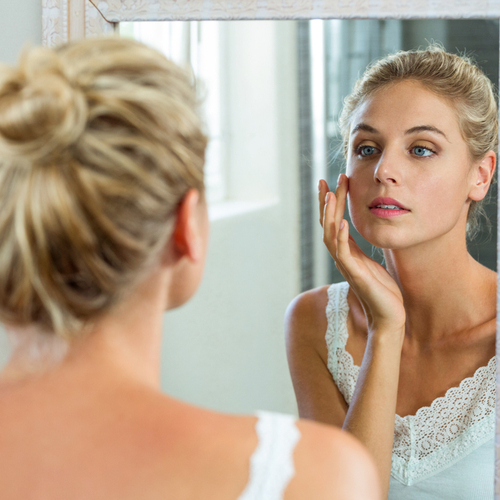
352,45
273,91
404,357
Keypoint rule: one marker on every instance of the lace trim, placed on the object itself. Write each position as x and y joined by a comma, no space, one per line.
437,435
340,363
271,464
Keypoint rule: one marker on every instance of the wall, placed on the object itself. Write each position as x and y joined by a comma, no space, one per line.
20,21
225,349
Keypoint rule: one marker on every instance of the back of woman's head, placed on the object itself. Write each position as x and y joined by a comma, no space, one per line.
99,142
454,78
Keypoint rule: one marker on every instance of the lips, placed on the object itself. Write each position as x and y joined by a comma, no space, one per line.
388,204
387,208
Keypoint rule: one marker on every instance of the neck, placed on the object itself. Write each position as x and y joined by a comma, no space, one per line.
442,287
125,343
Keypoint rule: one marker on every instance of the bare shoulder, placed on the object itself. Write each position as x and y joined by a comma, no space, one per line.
192,452
306,324
135,443
306,314
330,463
209,430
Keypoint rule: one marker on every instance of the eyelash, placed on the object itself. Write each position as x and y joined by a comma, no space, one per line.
359,148
362,146
428,149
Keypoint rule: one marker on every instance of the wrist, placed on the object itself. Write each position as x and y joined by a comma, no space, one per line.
387,337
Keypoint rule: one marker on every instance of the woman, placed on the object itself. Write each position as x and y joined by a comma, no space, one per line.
103,226
408,365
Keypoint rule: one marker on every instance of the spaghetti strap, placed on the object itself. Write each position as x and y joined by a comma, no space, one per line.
271,465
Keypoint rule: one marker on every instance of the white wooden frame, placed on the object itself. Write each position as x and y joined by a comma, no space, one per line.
64,20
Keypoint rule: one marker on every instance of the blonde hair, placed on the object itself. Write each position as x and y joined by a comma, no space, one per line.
449,76
99,142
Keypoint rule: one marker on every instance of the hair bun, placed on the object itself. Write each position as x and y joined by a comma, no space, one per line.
41,112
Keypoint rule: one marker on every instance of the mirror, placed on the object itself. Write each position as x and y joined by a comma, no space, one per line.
265,244
267,134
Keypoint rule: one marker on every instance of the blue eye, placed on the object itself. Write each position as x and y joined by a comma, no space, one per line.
366,150
422,152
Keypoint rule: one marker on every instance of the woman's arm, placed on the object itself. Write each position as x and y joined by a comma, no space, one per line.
305,326
372,410
370,416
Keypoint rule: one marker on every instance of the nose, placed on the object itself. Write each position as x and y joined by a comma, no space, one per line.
387,170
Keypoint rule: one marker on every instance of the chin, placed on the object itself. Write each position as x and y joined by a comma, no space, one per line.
384,237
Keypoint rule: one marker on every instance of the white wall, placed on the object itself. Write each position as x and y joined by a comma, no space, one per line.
20,22
225,349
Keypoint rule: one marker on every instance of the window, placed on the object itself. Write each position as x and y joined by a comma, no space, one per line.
195,44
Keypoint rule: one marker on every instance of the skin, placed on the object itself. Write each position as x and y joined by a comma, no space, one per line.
88,420
426,322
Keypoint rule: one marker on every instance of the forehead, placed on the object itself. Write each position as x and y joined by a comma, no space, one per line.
398,107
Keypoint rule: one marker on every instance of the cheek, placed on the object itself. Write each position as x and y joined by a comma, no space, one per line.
355,207
440,197
357,196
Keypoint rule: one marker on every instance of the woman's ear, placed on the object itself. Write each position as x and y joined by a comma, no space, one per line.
482,176
187,238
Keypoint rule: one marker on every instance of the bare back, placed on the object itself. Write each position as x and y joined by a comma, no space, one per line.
91,438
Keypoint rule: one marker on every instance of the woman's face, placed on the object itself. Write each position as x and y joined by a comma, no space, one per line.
409,168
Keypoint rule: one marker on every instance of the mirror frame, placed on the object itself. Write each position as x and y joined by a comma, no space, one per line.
66,20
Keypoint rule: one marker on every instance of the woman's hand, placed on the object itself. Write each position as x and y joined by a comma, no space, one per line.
370,416
376,290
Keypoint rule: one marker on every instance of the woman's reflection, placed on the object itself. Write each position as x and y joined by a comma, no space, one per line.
408,363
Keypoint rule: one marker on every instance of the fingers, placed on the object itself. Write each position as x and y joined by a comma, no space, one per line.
322,190
343,245
332,219
333,236
344,260
340,194
352,262
329,229
341,197
332,208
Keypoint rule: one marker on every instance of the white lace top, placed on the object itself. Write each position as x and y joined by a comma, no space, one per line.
271,465
448,443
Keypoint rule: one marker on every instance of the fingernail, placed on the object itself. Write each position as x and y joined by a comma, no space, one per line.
319,186
339,180
327,197
342,224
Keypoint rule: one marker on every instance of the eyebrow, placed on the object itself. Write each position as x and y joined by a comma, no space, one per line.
426,128
365,127
413,130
